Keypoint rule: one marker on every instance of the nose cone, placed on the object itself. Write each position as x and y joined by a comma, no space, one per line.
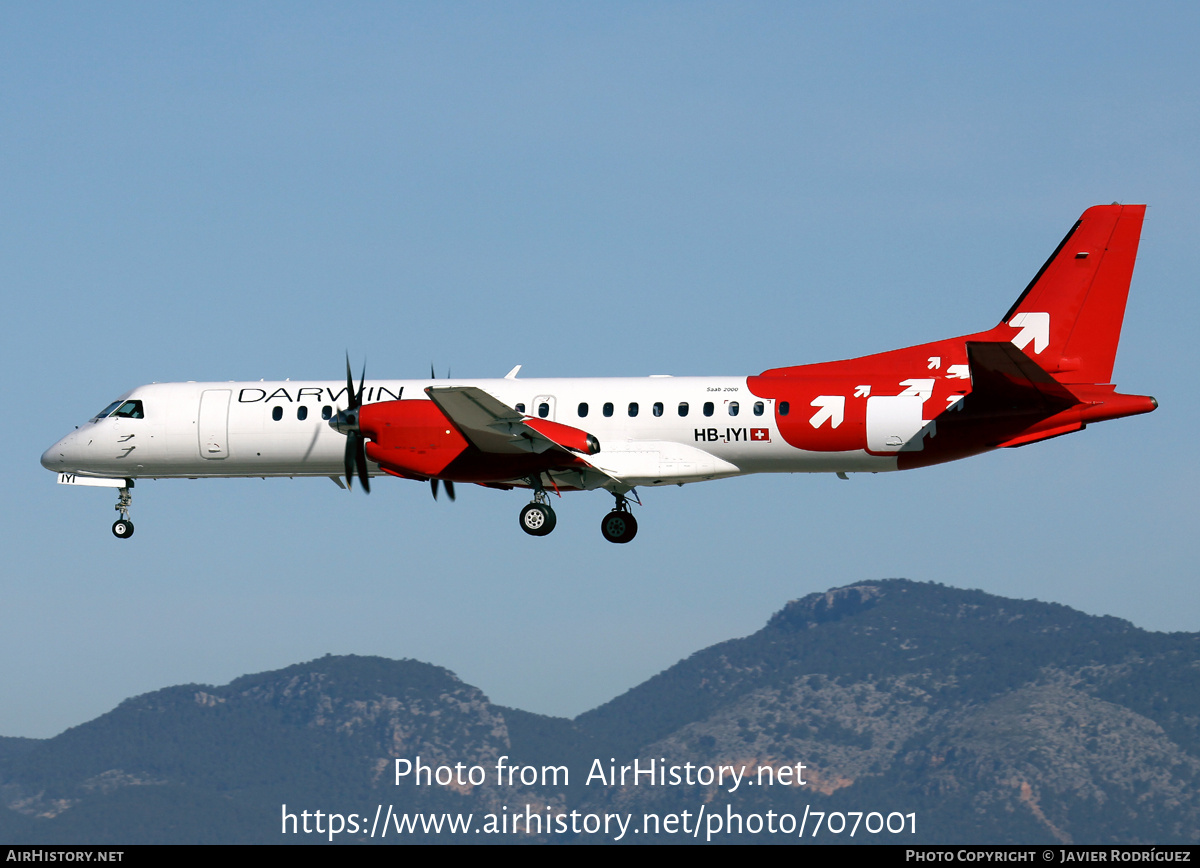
62,454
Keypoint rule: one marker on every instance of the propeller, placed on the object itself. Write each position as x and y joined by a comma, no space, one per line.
346,422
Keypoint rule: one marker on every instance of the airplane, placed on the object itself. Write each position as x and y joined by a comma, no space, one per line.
1042,372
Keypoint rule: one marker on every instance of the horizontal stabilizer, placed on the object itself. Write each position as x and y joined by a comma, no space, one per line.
1005,381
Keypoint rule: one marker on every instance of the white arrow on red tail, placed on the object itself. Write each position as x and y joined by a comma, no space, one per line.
919,388
1033,327
833,408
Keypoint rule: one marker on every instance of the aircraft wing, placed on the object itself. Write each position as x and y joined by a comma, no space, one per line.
492,426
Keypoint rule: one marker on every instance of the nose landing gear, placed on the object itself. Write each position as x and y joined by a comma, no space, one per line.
123,528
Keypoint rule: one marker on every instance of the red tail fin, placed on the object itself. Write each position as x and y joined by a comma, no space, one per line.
1069,317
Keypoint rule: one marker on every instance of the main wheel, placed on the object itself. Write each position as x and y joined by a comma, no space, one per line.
122,528
537,519
619,527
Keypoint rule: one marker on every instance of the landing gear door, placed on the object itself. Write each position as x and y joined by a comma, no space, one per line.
213,425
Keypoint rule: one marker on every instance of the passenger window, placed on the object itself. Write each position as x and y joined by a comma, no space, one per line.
583,408
302,412
277,413
783,408
608,409
758,408
633,408
543,409
708,408
733,408
521,409
326,412
658,408
683,408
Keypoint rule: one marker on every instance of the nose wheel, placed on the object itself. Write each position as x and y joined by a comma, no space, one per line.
619,526
123,528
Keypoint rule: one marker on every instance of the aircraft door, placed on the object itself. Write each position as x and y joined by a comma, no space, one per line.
213,425
894,423
543,407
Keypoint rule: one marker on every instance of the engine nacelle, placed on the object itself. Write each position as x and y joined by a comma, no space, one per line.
413,438
565,436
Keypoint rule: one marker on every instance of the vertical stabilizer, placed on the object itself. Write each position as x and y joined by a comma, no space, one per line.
1069,318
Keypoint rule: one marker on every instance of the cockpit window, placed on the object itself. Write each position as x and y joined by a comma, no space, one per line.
130,410
103,413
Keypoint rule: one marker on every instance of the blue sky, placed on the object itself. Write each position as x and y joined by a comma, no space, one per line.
233,192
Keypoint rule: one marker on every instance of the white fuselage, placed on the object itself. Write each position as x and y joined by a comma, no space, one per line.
246,429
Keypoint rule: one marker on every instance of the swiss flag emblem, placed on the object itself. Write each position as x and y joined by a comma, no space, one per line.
760,435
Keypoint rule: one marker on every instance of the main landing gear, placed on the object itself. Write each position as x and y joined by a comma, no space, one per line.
619,526
123,528
537,518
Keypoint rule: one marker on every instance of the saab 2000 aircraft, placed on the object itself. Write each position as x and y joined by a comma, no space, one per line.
1042,372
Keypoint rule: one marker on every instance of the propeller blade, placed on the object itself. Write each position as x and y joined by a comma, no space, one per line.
360,457
350,383
450,490
354,460
349,459
433,486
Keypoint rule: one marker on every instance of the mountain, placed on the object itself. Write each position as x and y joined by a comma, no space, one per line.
983,719
994,720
